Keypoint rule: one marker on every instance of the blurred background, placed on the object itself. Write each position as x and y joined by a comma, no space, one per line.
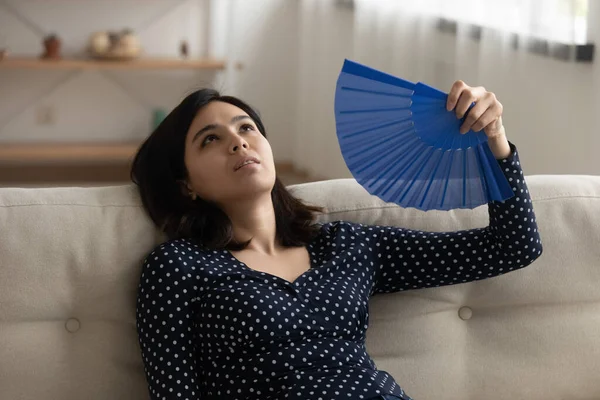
83,82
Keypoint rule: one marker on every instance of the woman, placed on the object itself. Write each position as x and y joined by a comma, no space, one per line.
250,299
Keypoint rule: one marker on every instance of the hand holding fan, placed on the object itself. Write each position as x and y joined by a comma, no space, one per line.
403,146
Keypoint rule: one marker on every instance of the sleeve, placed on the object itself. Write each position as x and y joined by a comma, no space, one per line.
409,259
164,320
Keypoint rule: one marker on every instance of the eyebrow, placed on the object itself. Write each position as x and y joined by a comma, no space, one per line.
214,126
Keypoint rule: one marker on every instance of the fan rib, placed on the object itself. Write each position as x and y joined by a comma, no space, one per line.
402,145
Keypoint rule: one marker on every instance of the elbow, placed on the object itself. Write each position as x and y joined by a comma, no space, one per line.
533,252
523,256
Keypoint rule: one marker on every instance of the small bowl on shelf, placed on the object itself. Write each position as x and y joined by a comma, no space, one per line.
112,46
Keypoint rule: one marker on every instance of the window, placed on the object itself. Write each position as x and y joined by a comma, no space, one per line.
562,21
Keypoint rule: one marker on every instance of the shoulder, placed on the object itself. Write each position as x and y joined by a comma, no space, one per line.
169,272
176,247
179,255
346,229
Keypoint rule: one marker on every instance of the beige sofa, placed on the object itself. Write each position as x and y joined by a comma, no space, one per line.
70,260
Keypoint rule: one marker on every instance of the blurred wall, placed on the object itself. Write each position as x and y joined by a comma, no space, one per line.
550,105
291,52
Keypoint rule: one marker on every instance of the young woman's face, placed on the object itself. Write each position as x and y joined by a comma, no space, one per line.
220,136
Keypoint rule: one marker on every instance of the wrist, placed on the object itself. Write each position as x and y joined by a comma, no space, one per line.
500,147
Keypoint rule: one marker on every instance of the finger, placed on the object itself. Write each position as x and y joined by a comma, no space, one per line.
489,117
488,100
464,102
475,113
495,107
455,92
476,95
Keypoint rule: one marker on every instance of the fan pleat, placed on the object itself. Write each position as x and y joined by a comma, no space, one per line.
402,145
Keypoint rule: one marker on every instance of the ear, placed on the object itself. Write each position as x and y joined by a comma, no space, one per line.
185,187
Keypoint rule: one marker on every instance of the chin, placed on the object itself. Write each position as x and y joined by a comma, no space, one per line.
258,184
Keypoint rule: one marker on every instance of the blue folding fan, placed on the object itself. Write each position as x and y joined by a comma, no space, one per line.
403,146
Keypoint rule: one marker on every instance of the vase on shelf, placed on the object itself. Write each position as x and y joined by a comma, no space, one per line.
3,46
184,49
52,46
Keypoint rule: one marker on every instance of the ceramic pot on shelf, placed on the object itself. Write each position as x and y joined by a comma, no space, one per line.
123,45
52,45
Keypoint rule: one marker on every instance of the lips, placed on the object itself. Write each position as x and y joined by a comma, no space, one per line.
243,161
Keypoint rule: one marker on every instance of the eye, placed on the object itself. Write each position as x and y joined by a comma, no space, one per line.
245,127
205,141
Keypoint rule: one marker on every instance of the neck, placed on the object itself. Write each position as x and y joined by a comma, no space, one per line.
255,219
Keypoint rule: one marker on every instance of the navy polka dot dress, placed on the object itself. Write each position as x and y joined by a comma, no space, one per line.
210,327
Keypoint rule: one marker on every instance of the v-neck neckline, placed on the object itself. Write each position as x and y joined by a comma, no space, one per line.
301,277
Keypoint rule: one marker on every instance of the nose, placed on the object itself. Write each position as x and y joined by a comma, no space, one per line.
236,143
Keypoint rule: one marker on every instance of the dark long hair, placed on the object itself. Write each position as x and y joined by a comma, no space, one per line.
158,168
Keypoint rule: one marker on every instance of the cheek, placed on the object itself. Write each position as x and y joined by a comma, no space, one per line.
199,172
266,150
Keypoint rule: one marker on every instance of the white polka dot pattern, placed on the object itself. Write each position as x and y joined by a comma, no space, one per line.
408,259
210,327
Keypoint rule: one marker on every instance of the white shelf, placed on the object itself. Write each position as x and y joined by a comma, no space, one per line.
137,64
36,153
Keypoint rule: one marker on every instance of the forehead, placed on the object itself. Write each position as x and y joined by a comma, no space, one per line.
213,114
217,112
